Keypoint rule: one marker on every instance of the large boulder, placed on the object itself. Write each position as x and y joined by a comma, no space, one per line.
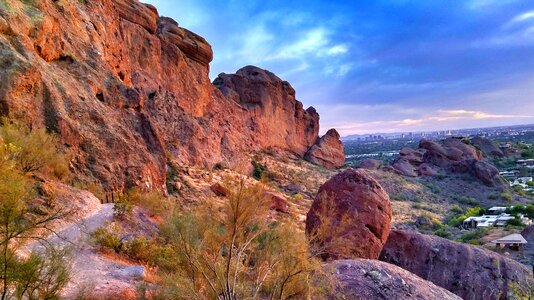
370,164
328,151
350,217
487,146
468,271
404,167
363,279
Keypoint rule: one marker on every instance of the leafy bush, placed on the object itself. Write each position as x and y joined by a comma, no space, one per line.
507,197
39,276
259,169
468,200
235,252
456,220
516,222
123,206
442,233
34,150
472,237
108,239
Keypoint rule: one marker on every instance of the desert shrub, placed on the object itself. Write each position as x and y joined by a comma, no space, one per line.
220,166
507,197
442,233
519,190
235,252
154,202
40,276
123,206
473,237
516,222
456,220
259,170
468,200
34,150
108,239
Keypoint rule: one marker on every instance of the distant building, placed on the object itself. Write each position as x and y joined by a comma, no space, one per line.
513,241
487,221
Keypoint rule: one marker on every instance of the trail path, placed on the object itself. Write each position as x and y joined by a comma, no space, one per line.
90,270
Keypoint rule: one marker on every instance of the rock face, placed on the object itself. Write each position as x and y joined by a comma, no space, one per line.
362,279
124,88
350,217
328,151
450,155
370,164
469,272
277,118
487,146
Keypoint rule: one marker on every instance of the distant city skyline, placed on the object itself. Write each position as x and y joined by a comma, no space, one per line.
381,66
452,131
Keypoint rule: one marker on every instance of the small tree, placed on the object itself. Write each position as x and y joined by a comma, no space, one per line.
39,276
236,252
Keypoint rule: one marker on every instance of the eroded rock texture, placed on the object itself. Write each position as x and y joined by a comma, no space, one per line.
363,279
350,217
451,155
125,89
468,271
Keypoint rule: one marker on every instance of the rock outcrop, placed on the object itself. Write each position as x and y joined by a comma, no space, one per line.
277,118
469,272
370,164
362,279
328,151
350,217
451,155
125,89
487,146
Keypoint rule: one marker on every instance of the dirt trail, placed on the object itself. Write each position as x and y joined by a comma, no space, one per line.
91,271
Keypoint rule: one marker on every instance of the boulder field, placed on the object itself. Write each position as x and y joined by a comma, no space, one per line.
451,155
127,89
349,226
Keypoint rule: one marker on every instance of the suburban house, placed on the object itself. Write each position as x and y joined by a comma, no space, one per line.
496,218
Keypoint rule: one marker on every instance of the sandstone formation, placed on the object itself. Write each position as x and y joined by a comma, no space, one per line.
370,164
125,89
487,146
328,151
277,118
350,217
362,279
468,271
451,155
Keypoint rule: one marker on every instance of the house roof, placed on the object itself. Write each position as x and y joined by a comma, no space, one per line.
515,238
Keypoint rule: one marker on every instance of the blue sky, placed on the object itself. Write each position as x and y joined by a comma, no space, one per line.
381,66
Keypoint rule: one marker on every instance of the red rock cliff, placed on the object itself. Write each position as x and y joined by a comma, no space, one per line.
125,87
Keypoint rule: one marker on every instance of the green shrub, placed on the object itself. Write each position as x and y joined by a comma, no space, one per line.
123,206
34,150
108,239
516,222
472,237
442,233
468,200
259,170
456,220
506,196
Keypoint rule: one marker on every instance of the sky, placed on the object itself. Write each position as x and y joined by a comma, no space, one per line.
372,66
